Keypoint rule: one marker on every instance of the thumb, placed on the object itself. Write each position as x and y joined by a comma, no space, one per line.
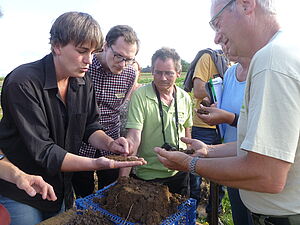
160,151
187,140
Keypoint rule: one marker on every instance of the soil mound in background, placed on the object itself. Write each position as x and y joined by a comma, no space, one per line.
140,202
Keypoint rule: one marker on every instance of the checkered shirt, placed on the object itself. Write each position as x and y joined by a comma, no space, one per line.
110,90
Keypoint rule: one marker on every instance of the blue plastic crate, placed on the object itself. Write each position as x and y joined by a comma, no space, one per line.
186,214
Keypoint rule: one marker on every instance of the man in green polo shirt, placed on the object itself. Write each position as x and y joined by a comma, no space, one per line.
160,114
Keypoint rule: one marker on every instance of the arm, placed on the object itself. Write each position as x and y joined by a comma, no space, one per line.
199,88
73,163
240,172
29,183
134,140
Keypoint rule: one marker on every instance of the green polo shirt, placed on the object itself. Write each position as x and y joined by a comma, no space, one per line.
144,115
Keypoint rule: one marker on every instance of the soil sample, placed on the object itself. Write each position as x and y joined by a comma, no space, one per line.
140,202
121,158
202,111
187,151
89,217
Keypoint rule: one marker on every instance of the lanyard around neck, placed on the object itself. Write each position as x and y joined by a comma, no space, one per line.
162,115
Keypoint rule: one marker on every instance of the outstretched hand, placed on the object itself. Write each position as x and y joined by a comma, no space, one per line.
173,160
35,184
103,163
199,146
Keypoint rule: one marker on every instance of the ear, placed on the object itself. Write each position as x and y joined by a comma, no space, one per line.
57,49
248,6
105,46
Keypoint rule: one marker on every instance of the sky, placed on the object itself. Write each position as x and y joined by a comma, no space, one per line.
179,24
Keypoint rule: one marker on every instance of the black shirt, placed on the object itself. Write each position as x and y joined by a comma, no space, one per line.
38,129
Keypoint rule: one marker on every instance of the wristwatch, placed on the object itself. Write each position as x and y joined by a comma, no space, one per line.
192,166
2,156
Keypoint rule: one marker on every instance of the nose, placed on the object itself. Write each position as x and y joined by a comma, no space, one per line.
123,63
87,59
218,37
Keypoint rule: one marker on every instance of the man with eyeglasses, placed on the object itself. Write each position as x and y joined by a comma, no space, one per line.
159,114
112,77
266,158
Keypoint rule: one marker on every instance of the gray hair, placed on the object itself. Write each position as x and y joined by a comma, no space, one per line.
76,27
167,53
268,6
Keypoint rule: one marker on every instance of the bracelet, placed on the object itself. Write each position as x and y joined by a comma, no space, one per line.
192,166
235,120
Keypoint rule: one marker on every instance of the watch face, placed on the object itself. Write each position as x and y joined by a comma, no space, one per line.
2,156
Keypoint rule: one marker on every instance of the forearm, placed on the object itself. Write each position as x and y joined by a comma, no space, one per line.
254,173
73,163
222,150
9,172
100,140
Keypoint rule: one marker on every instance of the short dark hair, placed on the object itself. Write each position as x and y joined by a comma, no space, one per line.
125,31
76,27
167,53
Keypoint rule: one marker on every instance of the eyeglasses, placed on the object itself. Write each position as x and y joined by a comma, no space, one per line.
167,73
212,21
118,58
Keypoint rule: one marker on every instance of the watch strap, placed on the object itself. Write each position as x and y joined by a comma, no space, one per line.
192,165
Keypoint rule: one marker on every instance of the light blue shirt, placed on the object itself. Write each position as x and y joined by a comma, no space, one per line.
232,99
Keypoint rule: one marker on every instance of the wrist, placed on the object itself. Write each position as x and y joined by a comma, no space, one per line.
235,120
193,165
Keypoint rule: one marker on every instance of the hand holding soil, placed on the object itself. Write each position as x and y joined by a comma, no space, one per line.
122,158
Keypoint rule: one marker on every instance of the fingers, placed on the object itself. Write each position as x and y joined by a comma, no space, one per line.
120,145
30,190
51,194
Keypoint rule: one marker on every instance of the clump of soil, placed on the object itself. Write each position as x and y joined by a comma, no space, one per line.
140,202
202,111
205,103
121,158
187,151
88,217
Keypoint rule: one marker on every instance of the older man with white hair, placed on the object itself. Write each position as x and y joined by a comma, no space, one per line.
265,162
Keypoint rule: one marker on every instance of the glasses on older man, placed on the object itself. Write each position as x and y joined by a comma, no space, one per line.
213,20
118,58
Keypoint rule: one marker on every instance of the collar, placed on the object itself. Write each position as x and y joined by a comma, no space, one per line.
50,75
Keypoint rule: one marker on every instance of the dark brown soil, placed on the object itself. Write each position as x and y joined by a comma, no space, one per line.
202,111
205,103
121,158
89,217
140,202
187,151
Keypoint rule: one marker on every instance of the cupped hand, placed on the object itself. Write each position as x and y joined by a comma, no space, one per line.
174,160
200,147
